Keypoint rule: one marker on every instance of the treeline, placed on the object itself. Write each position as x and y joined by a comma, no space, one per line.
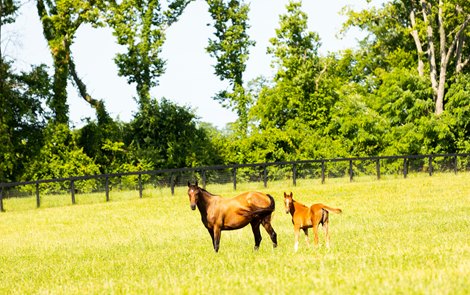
404,90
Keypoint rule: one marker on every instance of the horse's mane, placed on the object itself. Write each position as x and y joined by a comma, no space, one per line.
207,192
298,203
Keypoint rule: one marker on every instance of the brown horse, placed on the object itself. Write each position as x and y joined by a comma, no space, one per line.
219,213
304,217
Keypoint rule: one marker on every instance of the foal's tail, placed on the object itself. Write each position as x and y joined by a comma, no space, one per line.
331,209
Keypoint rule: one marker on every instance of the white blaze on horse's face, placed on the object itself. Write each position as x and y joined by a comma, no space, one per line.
287,205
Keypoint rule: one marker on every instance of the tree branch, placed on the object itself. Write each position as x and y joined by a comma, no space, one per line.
98,105
458,43
419,47
431,51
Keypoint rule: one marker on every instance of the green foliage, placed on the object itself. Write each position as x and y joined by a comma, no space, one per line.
102,141
294,92
21,118
60,157
167,136
60,21
8,9
140,26
230,48
457,113
359,127
379,99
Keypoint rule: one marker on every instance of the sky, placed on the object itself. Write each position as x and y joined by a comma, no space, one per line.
189,79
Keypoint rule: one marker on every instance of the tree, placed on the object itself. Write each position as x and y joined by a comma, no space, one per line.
294,91
438,29
60,157
167,136
8,10
230,48
22,118
141,27
21,113
61,20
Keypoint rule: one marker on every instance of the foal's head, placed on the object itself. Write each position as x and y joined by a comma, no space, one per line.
193,192
288,202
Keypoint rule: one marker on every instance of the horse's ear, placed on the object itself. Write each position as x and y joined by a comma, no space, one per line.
189,184
285,195
196,183
291,195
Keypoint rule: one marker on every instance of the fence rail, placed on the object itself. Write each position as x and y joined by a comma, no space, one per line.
263,172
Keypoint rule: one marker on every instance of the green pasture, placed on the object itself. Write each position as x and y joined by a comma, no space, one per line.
395,236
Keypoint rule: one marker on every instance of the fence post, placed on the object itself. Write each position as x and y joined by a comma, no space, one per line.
455,164
106,187
350,171
172,184
322,171
38,199
405,167
234,178
203,173
377,167
140,186
72,189
430,165
1,200
265,176
294,174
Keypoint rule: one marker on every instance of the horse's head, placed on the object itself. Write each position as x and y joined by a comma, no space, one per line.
193,192
288,202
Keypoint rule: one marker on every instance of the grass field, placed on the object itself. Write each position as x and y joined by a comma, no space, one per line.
395,236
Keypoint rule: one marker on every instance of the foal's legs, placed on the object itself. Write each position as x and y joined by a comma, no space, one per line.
296,234
306,237
255,227
327,235
269,228
316,218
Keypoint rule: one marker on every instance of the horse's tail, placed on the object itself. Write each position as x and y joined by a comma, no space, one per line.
263,212
331,209
272,205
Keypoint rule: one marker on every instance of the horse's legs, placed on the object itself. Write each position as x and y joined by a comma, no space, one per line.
269,228
216,238
211,232
306,237
296,234
255,227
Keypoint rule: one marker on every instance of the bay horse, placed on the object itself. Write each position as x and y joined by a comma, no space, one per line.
218,213
304,217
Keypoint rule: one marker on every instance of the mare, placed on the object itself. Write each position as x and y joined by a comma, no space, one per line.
304,217
218,213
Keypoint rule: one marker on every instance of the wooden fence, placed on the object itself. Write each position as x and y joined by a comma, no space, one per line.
264,172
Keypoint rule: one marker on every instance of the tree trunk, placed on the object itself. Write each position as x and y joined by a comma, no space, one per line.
58,104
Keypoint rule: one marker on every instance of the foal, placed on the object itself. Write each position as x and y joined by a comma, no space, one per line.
304,218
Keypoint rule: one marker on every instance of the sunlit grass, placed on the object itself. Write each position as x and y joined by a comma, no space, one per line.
395,236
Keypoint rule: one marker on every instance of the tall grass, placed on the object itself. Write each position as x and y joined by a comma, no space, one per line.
395,236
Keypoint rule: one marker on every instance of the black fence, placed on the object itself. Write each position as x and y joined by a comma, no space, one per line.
240,173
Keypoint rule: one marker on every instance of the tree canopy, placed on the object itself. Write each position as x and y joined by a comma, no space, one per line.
404,90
